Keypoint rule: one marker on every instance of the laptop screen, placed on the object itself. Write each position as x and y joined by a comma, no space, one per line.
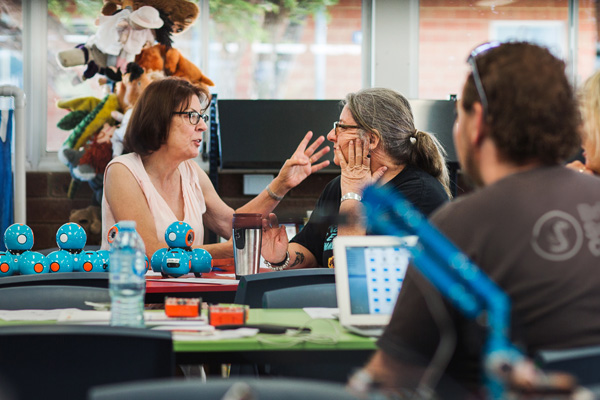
375,276
369,272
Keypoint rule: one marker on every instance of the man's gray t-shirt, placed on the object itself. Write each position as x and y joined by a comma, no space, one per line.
537,235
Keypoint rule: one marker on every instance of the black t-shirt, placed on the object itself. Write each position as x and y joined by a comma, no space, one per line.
420,188
536,234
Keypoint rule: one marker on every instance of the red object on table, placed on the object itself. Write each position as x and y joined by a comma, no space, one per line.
157,284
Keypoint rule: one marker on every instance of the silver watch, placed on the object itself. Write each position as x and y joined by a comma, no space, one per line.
351,196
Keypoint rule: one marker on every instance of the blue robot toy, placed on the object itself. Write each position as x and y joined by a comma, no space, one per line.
8,267
19,257
110,238
71,257
179,258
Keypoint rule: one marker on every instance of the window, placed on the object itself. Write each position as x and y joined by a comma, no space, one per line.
450,29
11,47
309,51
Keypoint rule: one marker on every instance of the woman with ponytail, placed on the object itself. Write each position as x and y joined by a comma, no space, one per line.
375,140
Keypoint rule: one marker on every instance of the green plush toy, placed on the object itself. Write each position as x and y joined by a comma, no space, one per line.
86,118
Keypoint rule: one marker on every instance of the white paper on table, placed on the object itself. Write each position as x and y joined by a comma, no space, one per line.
32,315
198,280
322,312
151,318
215,335
187,328
74,315
226,275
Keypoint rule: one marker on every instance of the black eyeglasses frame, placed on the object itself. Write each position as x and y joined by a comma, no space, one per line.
194,115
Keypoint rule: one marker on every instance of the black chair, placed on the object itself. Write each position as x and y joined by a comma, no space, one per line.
48,297
583,363
263,389
89,279
316,295
252,287
64,361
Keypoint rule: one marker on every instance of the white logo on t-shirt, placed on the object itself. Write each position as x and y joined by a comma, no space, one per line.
557,236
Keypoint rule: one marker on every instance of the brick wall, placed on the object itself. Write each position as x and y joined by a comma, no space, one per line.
48,206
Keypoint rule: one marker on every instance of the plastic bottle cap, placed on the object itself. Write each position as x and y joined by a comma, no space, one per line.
127,224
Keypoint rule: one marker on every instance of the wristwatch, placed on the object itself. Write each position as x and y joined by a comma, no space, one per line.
280,265
351,196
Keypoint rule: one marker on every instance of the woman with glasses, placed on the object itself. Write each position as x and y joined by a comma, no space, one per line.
589,103
375,140
157,182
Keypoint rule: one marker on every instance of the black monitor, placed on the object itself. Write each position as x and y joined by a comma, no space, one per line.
262,134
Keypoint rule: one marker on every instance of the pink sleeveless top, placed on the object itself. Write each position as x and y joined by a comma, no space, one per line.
193,199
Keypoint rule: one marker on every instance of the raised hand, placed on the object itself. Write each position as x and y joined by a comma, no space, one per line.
356,171
274,240
302,163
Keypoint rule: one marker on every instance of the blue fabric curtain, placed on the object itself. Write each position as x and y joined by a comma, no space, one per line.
6,175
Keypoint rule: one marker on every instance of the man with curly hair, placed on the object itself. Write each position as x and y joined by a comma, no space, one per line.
531,226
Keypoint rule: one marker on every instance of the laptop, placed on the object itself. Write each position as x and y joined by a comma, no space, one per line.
369,272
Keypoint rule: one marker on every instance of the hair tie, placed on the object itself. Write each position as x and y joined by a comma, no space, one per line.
413,140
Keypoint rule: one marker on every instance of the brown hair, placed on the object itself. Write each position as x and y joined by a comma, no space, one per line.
532,112
387,114
150,121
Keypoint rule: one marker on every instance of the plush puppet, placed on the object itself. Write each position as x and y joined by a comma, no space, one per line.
181,13
119,38
88,117
170,60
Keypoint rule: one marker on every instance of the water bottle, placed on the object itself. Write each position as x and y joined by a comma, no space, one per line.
126,277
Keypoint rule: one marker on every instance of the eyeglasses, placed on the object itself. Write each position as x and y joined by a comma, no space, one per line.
338,124
481,49
194,116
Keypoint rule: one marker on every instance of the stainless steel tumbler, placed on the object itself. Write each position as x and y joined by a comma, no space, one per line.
247,240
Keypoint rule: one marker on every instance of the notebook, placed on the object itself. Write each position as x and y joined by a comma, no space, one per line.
369,272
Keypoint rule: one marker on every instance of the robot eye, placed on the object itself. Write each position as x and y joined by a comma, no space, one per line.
112,233
22,239
63,238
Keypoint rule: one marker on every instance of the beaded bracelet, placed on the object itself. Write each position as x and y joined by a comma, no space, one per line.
273,195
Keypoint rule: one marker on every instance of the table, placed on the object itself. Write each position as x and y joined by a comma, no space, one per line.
350,348
157,287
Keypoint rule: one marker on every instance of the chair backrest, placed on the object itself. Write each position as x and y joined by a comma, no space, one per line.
90,279
252,287
317,295
583,363
64,361
256,389
48,297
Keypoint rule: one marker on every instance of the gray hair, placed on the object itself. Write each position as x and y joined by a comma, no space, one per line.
387,114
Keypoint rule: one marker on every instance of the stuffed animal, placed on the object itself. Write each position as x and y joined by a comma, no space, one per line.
181,13
119,38
88,117
90,220
170,60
